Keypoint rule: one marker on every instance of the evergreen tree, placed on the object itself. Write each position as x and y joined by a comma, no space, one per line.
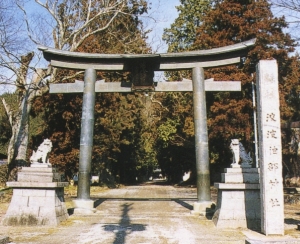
182,33
5,128
175,142
230,113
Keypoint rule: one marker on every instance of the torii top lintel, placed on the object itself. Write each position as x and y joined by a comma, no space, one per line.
158,62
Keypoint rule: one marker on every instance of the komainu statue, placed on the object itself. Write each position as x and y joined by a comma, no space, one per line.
42,153
240,156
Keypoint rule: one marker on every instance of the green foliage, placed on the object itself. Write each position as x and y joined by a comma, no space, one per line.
182,33
167,130
12,101
175,143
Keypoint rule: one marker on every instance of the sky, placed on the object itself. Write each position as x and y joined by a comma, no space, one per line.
163,14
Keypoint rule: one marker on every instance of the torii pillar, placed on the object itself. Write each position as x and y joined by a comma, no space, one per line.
203,204
83,203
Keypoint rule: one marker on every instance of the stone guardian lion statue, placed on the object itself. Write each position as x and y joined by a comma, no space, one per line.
240,156
42,153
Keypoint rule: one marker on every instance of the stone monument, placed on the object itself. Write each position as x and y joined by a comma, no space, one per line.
238,203
272,204
38,195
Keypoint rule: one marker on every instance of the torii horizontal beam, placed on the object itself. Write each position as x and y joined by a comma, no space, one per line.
167,61
174,86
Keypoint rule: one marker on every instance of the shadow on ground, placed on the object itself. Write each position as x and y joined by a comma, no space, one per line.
124,227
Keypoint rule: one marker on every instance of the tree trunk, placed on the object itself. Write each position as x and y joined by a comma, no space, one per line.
17,148
19,119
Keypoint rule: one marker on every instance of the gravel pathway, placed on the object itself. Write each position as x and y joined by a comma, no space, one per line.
134,215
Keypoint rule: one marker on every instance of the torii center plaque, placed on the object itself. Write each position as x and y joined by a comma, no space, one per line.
142,67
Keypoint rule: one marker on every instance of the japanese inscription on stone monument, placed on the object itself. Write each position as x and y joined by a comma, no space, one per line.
270,148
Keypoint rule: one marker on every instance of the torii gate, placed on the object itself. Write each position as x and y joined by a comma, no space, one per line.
142,67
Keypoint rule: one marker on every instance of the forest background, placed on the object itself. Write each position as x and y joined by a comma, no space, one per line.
136,133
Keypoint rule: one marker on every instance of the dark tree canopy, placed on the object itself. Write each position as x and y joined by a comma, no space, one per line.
229,22
230,114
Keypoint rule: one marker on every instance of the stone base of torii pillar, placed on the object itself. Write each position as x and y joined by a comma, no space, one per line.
205,208
83,206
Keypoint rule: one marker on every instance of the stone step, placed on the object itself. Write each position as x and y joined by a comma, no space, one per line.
240,178
38,177
236,186
242,170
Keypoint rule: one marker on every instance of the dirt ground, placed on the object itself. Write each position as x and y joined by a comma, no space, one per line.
141,214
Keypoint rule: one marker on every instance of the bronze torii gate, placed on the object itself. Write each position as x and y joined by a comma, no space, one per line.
142,67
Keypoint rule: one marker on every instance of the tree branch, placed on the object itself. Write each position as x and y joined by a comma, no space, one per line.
8,111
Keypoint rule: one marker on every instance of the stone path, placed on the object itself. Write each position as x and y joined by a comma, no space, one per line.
134,215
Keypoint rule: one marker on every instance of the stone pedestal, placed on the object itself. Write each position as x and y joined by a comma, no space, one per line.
38,198
238,203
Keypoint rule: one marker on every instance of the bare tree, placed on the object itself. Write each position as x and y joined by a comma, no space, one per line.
291,10
11,42
64,24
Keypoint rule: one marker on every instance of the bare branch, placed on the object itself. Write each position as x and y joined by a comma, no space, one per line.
113,9
291,10
72,76
153,100
27,24
75,44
